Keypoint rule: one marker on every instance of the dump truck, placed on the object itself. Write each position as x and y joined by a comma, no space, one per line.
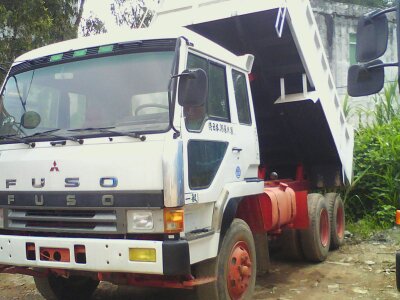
170,156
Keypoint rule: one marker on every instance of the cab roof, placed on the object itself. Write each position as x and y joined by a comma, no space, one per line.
197,42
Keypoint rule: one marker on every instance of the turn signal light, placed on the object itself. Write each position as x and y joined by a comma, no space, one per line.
142,254
398,217
173,220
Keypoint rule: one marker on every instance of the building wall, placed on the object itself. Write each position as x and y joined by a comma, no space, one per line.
336,22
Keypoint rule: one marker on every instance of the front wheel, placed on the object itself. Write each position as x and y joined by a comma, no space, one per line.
73,288
234,267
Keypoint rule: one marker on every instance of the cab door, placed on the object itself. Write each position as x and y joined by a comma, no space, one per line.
220,146
208,134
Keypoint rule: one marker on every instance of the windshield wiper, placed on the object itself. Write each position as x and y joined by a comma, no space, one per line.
15,137
107,130
50,133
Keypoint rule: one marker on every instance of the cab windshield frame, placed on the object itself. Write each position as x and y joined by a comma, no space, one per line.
139,73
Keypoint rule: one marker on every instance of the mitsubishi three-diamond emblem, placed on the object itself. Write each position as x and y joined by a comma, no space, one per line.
54,167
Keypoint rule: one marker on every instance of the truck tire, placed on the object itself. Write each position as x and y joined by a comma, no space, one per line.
316,239
234,267
291,245
337,217
73,288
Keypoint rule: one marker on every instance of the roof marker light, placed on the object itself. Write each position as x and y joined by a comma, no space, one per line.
105,49
56,57
79,53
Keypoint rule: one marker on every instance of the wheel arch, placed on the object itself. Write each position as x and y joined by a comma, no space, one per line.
240,208
228,216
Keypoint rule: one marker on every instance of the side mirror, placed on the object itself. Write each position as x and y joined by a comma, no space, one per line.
30,120
364,80
372,37
193,88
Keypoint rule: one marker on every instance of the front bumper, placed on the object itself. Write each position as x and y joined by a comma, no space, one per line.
102,255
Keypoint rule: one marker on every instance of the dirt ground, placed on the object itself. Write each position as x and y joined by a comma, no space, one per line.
359,270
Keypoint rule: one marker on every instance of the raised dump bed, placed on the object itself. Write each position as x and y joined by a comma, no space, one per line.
298,111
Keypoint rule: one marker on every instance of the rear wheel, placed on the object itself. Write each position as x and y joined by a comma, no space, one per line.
316,239
73,288
234,267
337,217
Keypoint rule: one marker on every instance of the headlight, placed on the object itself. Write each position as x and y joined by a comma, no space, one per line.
142,220
1,218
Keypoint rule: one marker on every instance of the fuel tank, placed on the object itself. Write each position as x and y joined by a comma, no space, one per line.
271,210
278,206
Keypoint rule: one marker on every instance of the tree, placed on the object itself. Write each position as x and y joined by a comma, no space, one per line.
28,24
92,25
135,14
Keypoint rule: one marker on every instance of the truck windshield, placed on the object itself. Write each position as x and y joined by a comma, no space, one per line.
128,92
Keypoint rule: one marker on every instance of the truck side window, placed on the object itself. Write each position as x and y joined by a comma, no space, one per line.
217,104
204,159
217,101
242,97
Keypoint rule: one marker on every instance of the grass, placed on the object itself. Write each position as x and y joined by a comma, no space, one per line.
365,228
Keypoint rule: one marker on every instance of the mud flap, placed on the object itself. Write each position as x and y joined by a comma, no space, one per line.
262,253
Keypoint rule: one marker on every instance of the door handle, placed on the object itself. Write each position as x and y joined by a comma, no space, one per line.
236,149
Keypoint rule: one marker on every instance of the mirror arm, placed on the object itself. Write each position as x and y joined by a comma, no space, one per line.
172,90
376,14
183,74
383,66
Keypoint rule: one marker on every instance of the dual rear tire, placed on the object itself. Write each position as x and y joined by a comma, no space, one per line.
337,218
326,230
316,240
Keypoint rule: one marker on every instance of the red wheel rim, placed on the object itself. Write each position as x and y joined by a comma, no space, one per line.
340,222
239,266
324,228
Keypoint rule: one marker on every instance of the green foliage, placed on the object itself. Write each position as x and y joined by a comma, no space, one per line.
385,216
386,105
376,187
364,228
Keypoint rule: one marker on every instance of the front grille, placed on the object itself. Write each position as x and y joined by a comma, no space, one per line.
66,220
